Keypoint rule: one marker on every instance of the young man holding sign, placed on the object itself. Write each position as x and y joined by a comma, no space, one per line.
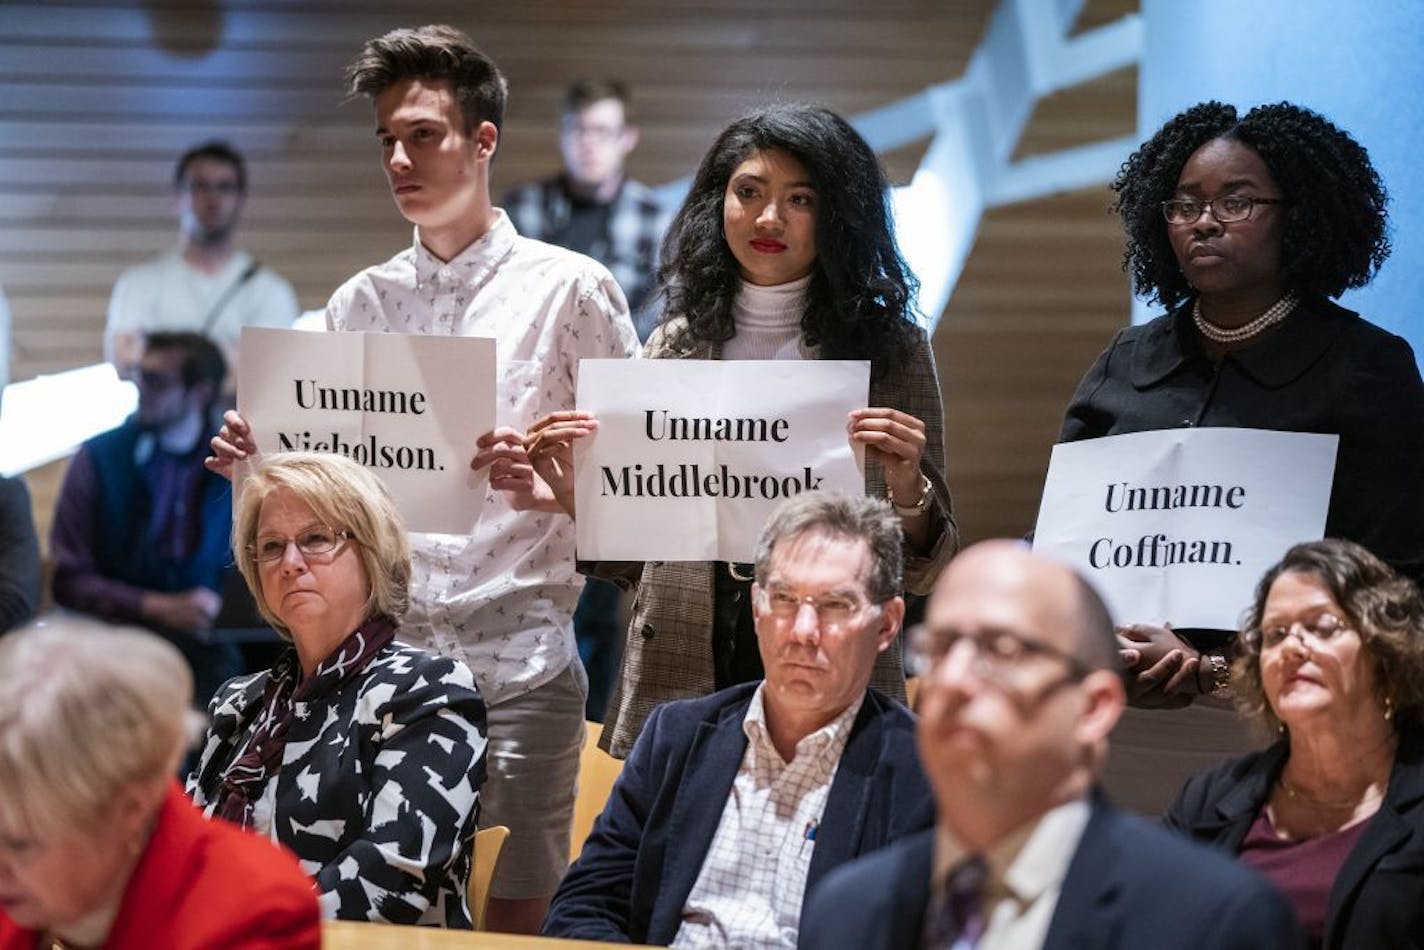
501,597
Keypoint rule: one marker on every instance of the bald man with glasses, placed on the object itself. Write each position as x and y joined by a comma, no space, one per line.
1021,687
731,807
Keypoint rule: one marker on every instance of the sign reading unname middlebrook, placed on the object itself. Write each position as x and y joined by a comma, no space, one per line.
692,456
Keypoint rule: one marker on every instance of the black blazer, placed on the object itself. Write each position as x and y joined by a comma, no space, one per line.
1378,899
1130,886
1322,370
642,858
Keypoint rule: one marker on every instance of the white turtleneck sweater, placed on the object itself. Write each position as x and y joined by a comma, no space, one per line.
768,322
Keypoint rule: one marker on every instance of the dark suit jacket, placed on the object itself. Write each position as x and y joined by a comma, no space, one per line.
1378,897
1130,885
644,854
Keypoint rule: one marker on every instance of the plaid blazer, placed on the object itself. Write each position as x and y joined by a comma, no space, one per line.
667,653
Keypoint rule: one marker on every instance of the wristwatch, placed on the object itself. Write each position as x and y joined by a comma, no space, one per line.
919,507
1218,670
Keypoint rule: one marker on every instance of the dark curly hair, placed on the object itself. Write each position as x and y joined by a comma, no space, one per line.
860,300
1335,225
1385,609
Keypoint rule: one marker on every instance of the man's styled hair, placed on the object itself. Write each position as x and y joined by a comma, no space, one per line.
215,150
842,517
433,53
585,92
202,360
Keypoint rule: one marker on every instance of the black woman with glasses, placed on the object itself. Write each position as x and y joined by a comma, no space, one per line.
1331,664
359,753
1244,228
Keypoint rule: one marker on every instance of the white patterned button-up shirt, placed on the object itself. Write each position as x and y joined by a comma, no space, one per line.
749,891
502,597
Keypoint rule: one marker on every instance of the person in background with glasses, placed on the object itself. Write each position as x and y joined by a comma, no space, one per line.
732,806
592,206
1244,227
141,528
1331,663
1021,686
361,754
207,284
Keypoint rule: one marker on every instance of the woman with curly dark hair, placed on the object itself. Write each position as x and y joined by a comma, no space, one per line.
1244,227
783,250
1331,663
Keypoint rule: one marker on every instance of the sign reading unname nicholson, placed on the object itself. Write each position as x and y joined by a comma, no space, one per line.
691,456
407,406
1178,525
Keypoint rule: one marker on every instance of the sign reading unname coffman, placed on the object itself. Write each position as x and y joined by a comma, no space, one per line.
691,456
407,406
1178,525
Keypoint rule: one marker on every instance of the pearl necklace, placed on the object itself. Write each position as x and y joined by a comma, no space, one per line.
1277,312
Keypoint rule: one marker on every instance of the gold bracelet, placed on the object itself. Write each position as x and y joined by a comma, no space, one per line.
920,507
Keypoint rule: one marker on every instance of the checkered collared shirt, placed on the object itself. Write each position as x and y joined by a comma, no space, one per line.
636,222
748,893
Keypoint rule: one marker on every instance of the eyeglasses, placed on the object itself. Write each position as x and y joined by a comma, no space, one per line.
833,611
594,133
998,654
1322,630
1224,208
154,381
224,188
314,542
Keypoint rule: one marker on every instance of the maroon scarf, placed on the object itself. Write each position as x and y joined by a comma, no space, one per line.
245,777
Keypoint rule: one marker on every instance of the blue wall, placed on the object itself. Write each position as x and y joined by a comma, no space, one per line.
1358,62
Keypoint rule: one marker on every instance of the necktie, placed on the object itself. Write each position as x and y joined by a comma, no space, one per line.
956,918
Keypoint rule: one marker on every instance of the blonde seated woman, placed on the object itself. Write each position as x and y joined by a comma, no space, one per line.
360,753
98,846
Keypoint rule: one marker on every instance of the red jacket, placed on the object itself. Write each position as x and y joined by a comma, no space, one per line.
206,885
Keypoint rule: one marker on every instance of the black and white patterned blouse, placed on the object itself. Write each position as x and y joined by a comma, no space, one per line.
379,785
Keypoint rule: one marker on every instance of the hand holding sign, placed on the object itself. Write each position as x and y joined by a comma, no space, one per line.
233,443
897,440
1162,664
550,446
502,452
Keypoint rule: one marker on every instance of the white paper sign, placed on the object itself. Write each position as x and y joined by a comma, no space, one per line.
1178,525
692,456
407,406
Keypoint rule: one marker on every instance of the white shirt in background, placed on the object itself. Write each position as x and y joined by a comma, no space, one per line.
166,294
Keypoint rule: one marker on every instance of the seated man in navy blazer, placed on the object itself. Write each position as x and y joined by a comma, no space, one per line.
730,807
1021,687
